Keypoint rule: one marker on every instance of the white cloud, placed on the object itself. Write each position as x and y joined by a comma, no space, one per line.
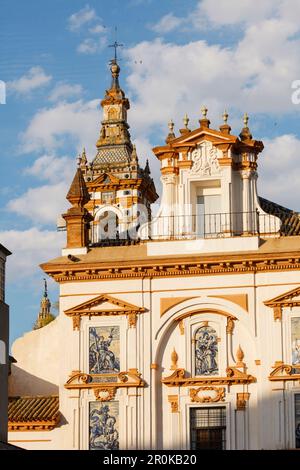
43,204
230,12
50,128
81,17
65,90
92,46
29,249
167,24
279,167
35,78
98,29
51,168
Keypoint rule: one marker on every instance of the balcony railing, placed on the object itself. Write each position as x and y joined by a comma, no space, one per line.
200,226
218,225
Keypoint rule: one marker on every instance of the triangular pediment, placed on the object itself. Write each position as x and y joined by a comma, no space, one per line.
291,297
105,179
200,134
104,304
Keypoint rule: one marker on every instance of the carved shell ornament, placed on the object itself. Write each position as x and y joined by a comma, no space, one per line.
205,160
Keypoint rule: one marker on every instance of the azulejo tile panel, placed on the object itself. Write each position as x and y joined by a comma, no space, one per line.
104,425
104,350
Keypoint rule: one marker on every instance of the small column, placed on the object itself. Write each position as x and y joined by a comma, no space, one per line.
245,174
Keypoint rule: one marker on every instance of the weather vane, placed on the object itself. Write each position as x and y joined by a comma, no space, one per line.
116,44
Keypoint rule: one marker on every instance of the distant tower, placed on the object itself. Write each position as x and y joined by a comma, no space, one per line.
44,316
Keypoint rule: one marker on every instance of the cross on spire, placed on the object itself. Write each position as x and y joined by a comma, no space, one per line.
116,44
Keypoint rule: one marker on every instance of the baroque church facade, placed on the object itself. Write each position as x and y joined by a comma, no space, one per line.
175,331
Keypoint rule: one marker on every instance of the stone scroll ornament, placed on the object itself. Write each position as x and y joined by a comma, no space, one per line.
205,160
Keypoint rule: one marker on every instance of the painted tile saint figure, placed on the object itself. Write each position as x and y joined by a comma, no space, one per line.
104,419
104,350
206,351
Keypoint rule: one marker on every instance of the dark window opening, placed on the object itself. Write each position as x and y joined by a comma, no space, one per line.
208,428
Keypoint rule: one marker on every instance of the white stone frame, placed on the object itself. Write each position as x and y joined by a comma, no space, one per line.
113,320
186,420
287,315
88,395
218,322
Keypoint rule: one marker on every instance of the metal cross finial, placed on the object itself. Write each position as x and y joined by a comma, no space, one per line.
204,111
246,119
225,116
116,44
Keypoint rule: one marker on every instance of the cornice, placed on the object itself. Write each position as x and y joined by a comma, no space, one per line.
176,267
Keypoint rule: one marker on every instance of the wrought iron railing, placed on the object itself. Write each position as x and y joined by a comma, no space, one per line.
197,226
214,225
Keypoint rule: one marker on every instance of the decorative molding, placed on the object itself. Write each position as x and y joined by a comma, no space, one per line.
284,372
205,311
168,302
241,400
173,399
240,356
181,326
105,393
230,326
197,395
92,308
287,299
80,380
64,272
174,359
76,322
205,160
234,376
32,425
239,299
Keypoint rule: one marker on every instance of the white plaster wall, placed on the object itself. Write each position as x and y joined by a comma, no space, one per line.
145,414
38,356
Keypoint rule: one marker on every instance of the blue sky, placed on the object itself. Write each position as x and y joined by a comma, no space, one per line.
177,56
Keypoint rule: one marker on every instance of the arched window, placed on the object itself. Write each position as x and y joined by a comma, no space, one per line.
206,351
112,114
108,226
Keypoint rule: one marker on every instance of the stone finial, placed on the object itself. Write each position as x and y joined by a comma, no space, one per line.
134,157
174,359
171,125
186,121
83,156
204,111
225,128
240,356
171,134
225,116
245,134
204,121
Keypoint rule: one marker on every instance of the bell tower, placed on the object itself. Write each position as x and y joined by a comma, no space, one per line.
120,190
